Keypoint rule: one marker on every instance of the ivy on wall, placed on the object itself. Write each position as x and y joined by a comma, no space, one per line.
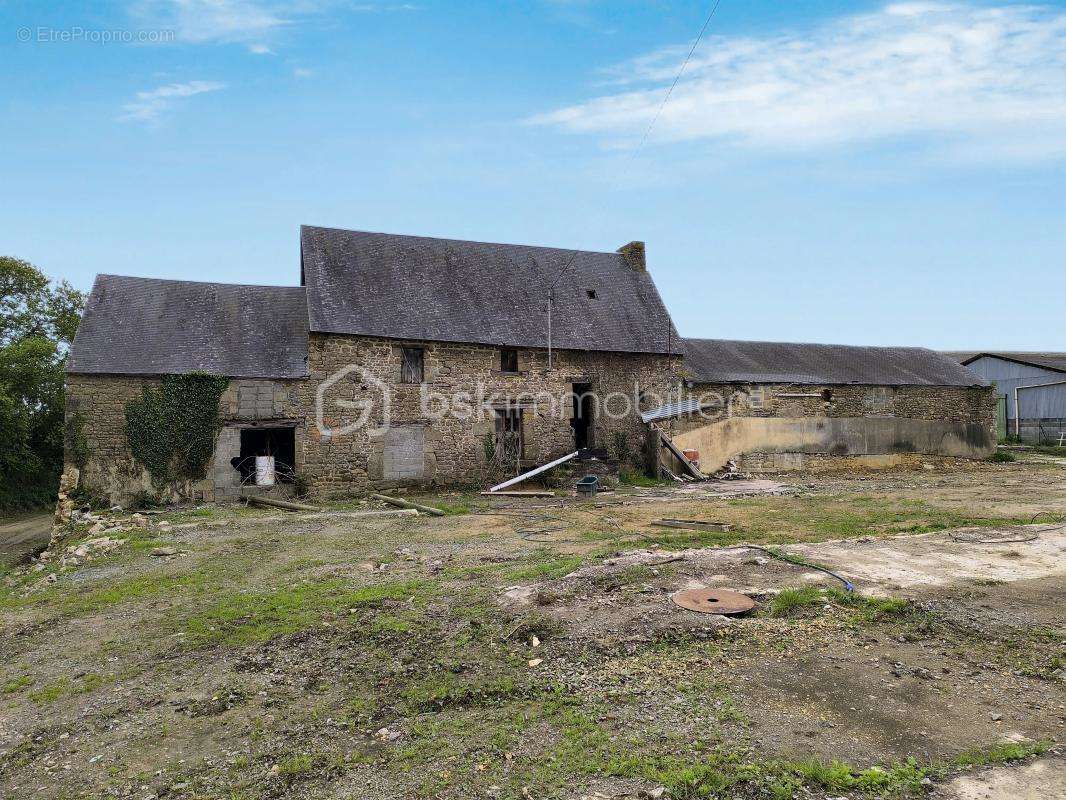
75,441
171,430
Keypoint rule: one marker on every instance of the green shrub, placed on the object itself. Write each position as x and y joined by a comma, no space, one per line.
1001,456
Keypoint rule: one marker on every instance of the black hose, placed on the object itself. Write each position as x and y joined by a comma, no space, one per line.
848,585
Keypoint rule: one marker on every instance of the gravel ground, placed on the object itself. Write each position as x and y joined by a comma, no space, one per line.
533,651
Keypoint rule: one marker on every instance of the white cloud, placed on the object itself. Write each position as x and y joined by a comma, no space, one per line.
214,20
302,72
977,82
149,106
250,22
260,50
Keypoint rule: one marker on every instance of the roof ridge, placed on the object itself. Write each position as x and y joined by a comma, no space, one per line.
810,344
461,241
199,283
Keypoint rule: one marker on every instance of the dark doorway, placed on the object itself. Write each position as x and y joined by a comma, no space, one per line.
277,442
584,413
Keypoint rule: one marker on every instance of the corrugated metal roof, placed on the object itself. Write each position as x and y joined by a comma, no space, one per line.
689,406
724,361
1053,361
145,326
414,287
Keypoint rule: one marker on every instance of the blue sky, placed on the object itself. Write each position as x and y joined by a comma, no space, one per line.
840,172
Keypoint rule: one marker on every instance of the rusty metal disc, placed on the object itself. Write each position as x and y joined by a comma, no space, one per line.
713,601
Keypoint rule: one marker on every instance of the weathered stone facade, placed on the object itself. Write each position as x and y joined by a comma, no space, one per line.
111,470
468,380
437,430
774,426
420,445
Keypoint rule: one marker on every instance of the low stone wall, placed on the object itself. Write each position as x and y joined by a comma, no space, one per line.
784,423
820,462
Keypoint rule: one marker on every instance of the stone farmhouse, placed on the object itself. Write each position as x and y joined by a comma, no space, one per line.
411,360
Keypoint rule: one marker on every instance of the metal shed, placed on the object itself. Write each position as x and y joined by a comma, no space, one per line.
1035,383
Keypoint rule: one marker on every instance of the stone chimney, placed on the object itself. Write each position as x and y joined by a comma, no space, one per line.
633,253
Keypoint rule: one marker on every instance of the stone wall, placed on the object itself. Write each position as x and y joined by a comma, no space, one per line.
110,471
113,473
424,446
835,420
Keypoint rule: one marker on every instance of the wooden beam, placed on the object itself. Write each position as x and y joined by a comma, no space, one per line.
681,457
399,501
259,500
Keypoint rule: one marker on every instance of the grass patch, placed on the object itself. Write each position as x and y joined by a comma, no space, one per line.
17,684
139,588
638,479
870,608
63,687
247,617
453,509
446,691
1002,753
296,765
788,600
51,692
545,565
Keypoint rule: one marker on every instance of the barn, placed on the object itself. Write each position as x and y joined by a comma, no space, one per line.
775,406
1031,391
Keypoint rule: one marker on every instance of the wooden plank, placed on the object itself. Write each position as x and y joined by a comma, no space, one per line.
681,457
259,500
399,501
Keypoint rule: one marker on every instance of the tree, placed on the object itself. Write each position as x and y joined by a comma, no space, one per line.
38,320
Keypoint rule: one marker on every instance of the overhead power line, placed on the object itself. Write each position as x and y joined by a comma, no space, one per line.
677,78
637,151
658,113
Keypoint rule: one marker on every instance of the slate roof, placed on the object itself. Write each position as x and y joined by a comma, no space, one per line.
145,326
720,361
1052,361
415,287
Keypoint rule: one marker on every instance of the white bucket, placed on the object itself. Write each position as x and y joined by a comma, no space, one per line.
264,470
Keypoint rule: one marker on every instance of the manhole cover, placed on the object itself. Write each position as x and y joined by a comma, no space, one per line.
714,601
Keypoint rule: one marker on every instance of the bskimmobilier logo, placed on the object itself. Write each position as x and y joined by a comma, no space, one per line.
377,392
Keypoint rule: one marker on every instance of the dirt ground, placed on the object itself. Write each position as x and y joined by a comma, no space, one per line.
529,648
23,536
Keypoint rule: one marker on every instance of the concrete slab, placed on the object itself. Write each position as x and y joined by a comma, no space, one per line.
936,559
1043,779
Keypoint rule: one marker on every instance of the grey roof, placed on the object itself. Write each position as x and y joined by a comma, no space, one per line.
145,326
414,287
1052,361
719,361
